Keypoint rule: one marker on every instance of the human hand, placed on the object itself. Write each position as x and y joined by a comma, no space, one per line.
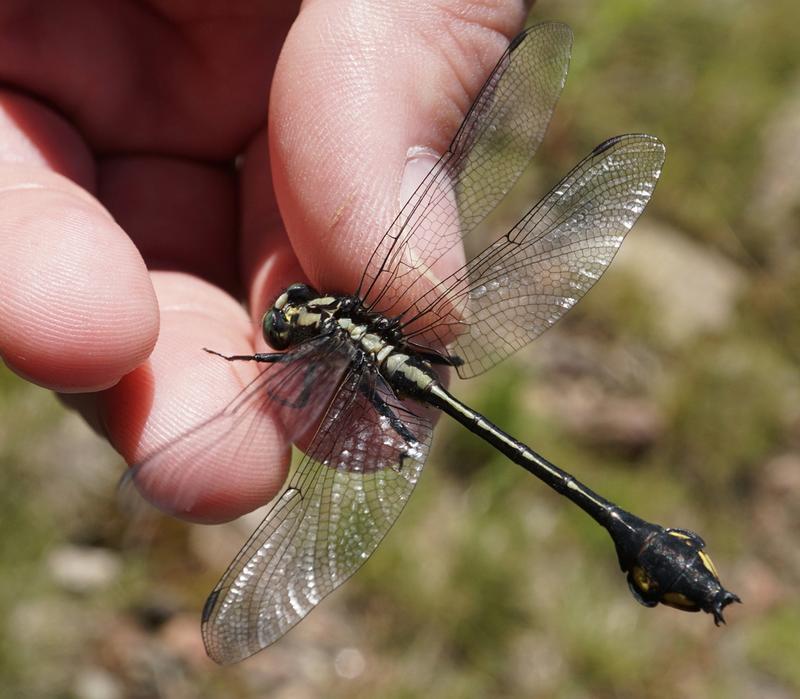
141,181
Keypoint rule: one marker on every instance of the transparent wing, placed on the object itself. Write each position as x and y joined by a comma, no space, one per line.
494,144
360,470
296,391
525,281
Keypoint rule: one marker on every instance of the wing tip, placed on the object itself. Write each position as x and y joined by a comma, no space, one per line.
559,28
640,138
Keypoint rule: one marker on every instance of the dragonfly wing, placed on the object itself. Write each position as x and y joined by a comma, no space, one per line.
295,392
494,144
348,490
525,281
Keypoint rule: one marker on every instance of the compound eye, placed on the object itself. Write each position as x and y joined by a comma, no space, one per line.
300,293
276,329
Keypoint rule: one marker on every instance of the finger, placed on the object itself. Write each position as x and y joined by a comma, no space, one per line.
165,417
357,88
32,134
219,471
77,310
180,213
148,77
268,261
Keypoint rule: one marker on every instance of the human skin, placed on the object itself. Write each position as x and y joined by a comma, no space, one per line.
160,160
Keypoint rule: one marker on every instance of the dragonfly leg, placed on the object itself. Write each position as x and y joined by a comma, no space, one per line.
267,357
274,358
385,410
441,359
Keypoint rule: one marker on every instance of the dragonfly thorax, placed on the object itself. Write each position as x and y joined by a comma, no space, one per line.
301,313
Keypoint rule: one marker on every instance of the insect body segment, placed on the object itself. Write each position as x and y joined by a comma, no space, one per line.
669,566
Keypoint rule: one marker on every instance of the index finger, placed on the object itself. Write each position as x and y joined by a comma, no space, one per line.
77,310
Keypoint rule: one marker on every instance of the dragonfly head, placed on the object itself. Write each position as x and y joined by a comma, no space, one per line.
290,321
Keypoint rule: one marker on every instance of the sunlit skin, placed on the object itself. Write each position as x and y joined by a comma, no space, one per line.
130,225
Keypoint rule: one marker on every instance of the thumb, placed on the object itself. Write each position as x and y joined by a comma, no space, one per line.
359,86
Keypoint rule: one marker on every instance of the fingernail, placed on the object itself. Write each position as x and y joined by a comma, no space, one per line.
419,162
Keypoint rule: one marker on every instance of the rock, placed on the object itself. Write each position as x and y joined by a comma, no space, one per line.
624,424
692,289
83,569
96,683
627,425
349,663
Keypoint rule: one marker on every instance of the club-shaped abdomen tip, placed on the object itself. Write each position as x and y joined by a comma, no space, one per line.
668,566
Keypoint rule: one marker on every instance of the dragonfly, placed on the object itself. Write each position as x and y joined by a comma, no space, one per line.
357,378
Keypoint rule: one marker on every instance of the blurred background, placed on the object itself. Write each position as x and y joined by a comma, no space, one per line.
673,388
